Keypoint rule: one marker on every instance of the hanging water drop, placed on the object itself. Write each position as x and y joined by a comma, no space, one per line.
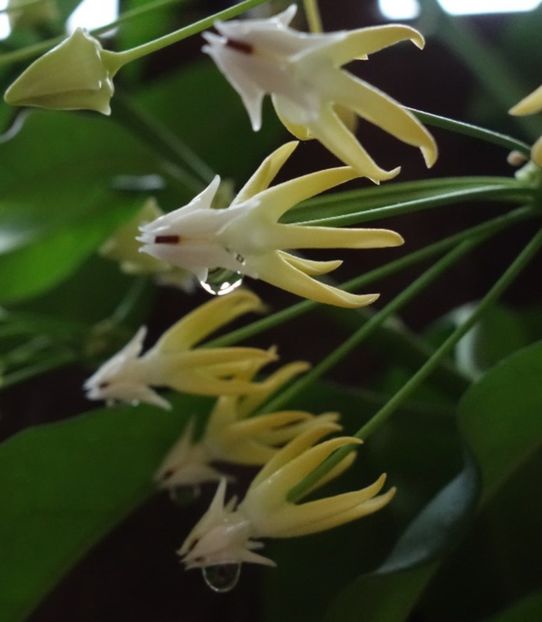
221,282
222,578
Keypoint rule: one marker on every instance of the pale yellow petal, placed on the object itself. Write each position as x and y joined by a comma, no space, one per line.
365,41
266,172
300,517
285,434
359,511
314,268
206,319
300,236
265,423
536,152
378,108
528,105
337,470
336,137
277,200
301,132
276,269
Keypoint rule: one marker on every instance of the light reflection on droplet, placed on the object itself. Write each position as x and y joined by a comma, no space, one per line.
221,282
222,578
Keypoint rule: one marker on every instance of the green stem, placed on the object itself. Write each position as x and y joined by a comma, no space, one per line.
121,58
474,131
41,47
276,319
312,12
506,279
515,194
369,327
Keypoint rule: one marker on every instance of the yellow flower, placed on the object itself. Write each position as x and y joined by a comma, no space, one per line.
302,72
123,248
247,238
174,363
531,105
77,74
232,435
228,533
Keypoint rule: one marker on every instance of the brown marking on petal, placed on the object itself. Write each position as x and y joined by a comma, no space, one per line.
240,46
167,239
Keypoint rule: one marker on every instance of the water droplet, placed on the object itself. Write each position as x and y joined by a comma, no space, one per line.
222,578
220,282
184,495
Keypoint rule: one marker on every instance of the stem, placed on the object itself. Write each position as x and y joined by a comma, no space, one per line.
43,46
375,322
266,323
513,194
384,413
171,147
474,131
183,33
312,12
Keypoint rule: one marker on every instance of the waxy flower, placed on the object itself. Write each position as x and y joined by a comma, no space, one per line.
302,72
229,533
531,105
173,362
233,435
77,74
247,238
123,248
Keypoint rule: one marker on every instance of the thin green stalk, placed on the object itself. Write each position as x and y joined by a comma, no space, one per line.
285,315
474,131
39,48
312,12
369,327
195,172
506,279
127,56
514,194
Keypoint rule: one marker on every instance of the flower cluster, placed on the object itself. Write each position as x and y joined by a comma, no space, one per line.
531,105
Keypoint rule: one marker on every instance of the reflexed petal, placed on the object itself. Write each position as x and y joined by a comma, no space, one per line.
301,236
528,105
536,152
314,268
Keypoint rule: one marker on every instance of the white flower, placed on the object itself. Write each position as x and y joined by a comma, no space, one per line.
247,238
229,533
302,72
174,363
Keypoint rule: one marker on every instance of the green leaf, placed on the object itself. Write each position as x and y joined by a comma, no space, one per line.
65,485
528,608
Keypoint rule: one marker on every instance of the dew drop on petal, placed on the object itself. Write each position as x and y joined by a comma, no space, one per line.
221,282
222,578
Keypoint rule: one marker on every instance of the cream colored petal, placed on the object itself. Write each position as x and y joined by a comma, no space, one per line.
388,114
272,492
301,132
314,268
365,41
336,137
528,105
276,269
536,152
206,319
359,511
270,385
292,450
300,517
266,172
335,472
265,423
245,452
284,435
300,236
277,200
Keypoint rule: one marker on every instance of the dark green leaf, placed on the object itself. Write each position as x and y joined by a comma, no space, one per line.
526,610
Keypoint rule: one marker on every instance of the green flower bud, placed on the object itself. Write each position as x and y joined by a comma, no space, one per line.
75,75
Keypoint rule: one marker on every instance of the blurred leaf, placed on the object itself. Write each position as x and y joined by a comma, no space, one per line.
65,485
527,609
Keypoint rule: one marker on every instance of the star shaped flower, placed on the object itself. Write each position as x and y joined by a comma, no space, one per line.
302,73
233,435
248,238
174,363
230,533
531,105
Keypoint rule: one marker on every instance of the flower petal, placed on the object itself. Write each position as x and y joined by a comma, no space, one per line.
528,105
301,236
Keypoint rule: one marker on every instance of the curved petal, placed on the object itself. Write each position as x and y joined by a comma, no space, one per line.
528,105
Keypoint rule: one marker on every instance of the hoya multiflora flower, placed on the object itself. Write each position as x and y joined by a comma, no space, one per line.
174,363
229,533
247,238
123,248
233,435
302,73
77,74
531,105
